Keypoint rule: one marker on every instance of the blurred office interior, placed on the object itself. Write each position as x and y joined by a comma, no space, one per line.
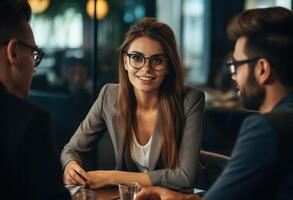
66,29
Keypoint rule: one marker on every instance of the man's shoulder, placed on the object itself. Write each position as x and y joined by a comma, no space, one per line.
257,117
256,125
279,117
282,119
17,117
255,120
17,112
15,104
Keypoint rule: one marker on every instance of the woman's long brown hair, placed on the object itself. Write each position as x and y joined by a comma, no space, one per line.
170,108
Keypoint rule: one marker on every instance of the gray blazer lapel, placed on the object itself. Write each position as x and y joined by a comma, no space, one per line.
120,145
118,138
129,163
156,148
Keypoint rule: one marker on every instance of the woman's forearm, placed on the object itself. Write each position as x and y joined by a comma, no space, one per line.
101,178
122,176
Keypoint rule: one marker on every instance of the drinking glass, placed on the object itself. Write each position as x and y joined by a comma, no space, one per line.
84,194
128,191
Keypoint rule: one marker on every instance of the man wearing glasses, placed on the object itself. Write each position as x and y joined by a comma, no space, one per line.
262,68
30,168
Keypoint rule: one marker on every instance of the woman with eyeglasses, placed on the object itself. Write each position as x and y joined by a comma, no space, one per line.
154,121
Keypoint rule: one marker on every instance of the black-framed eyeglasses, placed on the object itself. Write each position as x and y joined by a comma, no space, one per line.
232,64
37,53
157,62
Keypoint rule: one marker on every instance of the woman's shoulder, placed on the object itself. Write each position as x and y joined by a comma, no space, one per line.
110,88
192,94
193,99
109,93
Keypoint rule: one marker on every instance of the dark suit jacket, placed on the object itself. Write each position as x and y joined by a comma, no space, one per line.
29,167
259,167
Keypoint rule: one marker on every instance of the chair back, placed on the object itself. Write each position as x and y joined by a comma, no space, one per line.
210,167
64,112
220,129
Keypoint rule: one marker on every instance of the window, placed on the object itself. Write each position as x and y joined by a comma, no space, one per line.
187,19
193,39
267,3
64,31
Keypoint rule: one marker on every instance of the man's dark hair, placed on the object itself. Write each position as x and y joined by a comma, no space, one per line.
269,34
12,15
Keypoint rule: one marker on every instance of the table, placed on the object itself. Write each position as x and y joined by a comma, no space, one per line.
112,193
107,194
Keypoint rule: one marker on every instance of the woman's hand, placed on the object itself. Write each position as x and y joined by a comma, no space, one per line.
99,178
74,174
158,193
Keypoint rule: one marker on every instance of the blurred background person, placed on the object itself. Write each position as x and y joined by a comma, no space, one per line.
75,83
223,94
74,76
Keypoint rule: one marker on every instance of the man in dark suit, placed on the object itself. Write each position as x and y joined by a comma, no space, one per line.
30,167
262,68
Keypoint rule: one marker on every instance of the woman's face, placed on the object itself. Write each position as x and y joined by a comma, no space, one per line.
146,64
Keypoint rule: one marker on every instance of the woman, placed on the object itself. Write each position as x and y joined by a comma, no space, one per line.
153,120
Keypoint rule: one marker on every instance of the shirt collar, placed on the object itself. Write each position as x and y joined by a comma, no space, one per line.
286,102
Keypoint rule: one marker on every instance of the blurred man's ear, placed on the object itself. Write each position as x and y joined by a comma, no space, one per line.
263,71
11,51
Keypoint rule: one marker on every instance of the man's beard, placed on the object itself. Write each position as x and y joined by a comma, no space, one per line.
252,94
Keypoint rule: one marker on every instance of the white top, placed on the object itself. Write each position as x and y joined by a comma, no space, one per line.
140,154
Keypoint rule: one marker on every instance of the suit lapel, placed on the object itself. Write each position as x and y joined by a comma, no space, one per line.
130,165
156,148
119,143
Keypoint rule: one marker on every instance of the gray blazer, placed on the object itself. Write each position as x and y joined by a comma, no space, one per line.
103,117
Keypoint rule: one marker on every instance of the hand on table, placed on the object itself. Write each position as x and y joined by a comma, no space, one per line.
74,174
